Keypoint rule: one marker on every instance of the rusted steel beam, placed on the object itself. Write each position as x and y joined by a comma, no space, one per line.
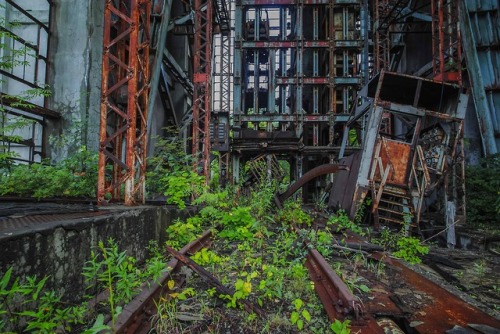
447,310
346,302
249,307
124,102
136,314
202,97
16,103
313,173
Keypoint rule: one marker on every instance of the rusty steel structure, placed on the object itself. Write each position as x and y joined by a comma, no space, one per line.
446,41
222,93
478,21
202,96
405,171
124,105
388,29
297,69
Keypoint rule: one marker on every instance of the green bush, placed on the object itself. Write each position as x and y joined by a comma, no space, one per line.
482,190
73,177
410,250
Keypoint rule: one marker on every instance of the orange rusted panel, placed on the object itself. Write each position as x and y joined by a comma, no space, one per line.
398,155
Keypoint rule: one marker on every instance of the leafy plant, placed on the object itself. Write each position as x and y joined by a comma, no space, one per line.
342,222
171,172
387,239
480,268
322,241
271,286
341,327
180,233
361,211
292,213
205,257
74,177
183,294
242,288
115,272
28,307
238,224
410,250
299,314
180,186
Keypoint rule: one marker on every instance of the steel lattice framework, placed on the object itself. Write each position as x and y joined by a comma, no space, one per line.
386,14
124,105
446,41
202,85
222,98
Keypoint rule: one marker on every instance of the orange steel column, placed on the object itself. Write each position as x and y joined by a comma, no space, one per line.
124,101
446,41
203,12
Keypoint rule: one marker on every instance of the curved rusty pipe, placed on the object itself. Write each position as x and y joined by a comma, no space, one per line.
312,174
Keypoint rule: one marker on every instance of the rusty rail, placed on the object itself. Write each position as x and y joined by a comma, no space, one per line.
333,292
135,316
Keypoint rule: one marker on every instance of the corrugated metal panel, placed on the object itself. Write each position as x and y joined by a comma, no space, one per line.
481,37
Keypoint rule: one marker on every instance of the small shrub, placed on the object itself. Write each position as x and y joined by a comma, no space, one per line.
410,250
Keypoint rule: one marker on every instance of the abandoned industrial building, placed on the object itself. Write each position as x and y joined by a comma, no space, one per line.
249,166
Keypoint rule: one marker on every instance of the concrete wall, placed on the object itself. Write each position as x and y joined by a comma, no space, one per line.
75,74
60,249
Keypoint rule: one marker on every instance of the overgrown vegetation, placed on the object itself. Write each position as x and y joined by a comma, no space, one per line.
27,306
258,254
73,177
483,192
170,172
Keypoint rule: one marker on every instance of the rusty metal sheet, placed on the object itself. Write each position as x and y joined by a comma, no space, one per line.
397,154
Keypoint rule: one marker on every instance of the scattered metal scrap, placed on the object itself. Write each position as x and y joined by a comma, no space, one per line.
445,311
411,163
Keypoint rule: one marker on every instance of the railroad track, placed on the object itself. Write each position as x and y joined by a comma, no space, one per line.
383,313
136,315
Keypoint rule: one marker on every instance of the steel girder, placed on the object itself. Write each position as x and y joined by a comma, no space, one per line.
202,97
222,78
124,104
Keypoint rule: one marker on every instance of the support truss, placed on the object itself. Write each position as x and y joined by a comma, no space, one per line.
387,12
202,85
124,104
222,77
446,41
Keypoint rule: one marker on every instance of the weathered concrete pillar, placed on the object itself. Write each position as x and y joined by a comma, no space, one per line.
75,74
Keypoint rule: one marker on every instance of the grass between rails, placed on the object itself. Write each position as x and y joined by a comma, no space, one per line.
259,256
